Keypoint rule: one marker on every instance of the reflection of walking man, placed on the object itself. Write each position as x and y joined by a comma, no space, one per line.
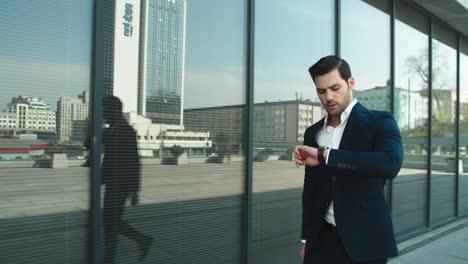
121,176
345,216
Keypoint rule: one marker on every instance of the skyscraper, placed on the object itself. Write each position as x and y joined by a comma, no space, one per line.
71,116
162,61
148,58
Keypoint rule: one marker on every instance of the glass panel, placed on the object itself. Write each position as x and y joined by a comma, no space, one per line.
366,47
463,169
409,210
45,68
444,74
289,39
173,164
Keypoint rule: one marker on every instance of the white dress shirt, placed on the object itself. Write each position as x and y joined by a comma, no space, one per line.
329,136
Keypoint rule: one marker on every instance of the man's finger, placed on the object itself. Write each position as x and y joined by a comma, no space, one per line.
296,150
297,156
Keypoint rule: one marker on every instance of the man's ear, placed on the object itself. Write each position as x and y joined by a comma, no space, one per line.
351,83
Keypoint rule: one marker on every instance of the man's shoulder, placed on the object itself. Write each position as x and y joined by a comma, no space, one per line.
371,114
380,114
382,120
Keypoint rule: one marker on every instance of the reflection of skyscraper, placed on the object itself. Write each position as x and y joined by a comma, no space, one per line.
161,85
71,113
147,58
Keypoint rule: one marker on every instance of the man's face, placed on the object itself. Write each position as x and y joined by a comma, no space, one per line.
334,92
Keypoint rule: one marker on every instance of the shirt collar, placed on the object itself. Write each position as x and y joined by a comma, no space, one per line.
344,115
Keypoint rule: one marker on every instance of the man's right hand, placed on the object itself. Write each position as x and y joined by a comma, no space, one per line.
302,252
305,155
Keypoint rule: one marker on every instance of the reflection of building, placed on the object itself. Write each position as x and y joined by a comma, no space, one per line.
69,112
163,60
464,106
148,70
444,105
146,57
286,121
27,113
155,137
225,123
275,122
123,52
410,107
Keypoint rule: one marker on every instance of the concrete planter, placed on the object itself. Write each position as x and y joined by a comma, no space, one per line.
59,161
182,159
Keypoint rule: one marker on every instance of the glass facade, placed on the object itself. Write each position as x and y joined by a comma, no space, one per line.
45,68
443,115
411,112
285,105
194,115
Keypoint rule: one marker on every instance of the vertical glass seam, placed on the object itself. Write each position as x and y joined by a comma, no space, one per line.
247,230
392,82
429,143
457,129
338,28
94,227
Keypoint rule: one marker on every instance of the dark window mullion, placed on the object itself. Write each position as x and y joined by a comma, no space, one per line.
94,228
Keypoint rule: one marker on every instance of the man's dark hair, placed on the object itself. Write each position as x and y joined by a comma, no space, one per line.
328,64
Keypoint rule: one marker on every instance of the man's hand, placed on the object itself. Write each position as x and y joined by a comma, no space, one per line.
302,252
305,155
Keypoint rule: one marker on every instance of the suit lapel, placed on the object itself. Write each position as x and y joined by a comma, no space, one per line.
314,129
354,123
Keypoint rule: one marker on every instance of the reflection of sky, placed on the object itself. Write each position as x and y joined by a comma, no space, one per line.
46,49
365,43
215,53
447,62
408,42
290,37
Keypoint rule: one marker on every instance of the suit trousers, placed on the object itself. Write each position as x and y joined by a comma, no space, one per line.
328,249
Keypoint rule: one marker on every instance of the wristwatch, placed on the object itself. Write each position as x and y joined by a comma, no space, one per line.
320,154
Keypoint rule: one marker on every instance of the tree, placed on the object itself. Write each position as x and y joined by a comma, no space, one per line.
419,65
176,151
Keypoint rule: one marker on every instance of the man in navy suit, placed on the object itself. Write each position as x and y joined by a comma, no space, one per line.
348,157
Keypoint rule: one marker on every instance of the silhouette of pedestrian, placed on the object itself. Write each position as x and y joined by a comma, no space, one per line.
121,171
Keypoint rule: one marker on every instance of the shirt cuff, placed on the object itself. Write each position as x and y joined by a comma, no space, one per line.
328,154
303,241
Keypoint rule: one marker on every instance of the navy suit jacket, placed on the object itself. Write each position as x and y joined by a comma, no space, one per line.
370,152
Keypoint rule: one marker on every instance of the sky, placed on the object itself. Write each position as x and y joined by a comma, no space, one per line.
47,48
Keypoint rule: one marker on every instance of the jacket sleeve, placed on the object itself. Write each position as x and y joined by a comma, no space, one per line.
307,192
384,161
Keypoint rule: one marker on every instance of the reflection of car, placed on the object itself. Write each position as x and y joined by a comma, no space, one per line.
215,158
